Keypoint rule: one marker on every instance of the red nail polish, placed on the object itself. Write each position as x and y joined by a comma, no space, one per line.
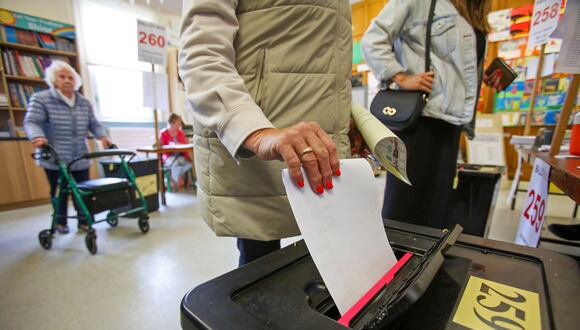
319,188
300,183
337,172
329,184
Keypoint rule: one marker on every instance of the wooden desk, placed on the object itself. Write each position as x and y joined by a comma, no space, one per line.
565,173
159,151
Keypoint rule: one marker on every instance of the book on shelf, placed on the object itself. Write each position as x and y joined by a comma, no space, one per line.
9,34
46,41
64,44
20,94
35,39
27,65
26,37
3,99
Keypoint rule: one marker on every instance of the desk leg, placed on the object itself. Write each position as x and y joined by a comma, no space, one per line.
160,184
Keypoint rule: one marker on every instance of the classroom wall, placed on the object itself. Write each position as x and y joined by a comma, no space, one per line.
61,10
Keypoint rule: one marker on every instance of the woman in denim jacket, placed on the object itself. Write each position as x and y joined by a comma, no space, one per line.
394,48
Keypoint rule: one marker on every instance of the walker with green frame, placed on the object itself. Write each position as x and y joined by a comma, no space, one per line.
95,196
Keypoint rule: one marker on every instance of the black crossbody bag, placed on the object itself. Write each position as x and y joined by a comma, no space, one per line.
400,110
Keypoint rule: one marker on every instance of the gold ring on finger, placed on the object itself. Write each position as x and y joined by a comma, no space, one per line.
306,151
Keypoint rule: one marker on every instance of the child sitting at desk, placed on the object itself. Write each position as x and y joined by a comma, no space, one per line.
178,162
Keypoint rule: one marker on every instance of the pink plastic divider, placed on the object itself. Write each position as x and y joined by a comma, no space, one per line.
364,300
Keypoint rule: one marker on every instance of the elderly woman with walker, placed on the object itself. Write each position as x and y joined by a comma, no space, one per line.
62,117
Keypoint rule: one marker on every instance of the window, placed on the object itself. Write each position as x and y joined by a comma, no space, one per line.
109,35
119,94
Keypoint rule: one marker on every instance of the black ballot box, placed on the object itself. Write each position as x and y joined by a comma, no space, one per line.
465,283
145,171
474,197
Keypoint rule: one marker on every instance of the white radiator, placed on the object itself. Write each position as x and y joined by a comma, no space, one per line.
132,137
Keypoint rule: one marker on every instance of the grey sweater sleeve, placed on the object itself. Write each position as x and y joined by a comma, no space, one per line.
215,90
377,42
94,125
36,117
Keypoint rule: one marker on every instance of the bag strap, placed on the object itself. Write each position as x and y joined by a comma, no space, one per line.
384,84
428,36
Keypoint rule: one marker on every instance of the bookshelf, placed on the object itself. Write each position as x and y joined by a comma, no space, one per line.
28,44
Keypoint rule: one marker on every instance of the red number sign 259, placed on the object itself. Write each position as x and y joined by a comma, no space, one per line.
151,39
538,205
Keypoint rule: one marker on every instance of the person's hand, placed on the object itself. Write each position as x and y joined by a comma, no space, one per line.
39,141
302,143
105,141
415,82
493,80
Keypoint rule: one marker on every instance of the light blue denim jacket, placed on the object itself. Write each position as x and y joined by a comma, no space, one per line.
453,54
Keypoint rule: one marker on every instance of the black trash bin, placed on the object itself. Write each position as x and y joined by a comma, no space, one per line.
145,171
480,284
473,200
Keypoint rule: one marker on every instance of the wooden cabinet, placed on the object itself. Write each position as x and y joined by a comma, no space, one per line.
13,177
22,182
38,186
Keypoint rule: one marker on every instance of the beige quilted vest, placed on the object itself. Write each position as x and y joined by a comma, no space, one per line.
295,57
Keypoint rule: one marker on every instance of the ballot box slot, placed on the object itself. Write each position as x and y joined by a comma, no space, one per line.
320,300
409,284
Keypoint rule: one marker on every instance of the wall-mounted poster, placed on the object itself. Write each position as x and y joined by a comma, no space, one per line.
500,22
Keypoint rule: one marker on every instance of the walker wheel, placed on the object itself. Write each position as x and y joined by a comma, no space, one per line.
91,241
144,223
113,222
45,239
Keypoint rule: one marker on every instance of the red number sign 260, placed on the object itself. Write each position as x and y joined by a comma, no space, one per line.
151,39
538,205
548,13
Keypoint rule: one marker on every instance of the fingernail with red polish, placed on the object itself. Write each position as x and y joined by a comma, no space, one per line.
329,184
300,183
319,188
337,172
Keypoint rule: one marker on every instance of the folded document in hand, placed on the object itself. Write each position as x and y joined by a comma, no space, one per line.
385,145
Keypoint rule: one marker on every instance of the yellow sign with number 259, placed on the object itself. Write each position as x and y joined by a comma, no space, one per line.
491,305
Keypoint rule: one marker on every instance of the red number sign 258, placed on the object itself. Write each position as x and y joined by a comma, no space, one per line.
538,205
151,39
543,15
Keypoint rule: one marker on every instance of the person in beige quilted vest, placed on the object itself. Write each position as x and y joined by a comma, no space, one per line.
269,85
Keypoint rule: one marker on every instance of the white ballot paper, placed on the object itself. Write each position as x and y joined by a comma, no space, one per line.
344,231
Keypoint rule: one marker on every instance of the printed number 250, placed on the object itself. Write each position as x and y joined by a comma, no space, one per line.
538,205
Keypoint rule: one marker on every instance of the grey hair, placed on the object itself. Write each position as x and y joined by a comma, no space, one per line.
54,67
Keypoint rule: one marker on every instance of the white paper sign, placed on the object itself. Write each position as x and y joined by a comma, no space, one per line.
532,217
500,22
152,42
544,21
569,31
487,148
155,91
344,232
